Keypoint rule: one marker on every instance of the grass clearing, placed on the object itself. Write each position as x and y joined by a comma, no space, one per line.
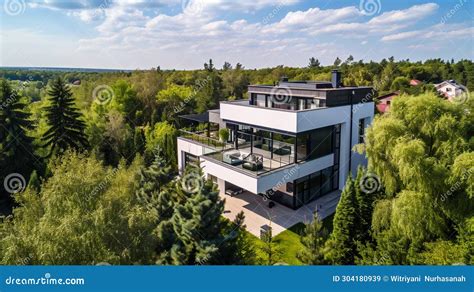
288,242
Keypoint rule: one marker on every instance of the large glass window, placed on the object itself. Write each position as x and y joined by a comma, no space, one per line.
190,160
260,100
315,144
313,186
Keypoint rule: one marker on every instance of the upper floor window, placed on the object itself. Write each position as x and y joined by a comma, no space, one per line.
363,123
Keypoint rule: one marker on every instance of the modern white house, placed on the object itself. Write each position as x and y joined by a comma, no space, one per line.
289,143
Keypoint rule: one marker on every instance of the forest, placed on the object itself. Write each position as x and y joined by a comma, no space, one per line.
88,166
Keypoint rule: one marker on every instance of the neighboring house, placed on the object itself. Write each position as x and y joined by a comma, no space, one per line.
450,89
383,105
290,144
415,82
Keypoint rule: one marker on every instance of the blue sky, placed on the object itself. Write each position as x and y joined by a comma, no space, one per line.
183,34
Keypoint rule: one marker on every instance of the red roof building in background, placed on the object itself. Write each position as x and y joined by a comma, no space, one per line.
384,101
415,82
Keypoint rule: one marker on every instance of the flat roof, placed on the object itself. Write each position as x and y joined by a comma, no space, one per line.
312,89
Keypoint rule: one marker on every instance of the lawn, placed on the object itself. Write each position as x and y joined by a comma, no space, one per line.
288,242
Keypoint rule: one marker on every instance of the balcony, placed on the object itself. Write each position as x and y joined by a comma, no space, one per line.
206,139
254,163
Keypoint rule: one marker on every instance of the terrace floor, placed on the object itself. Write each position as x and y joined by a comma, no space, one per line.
279,217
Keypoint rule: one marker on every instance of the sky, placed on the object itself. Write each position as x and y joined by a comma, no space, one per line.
183,34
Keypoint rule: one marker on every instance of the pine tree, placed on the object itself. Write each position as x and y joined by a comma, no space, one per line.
341,247
16,147
364,201
197,223
66,127
237,248
139,141
152,190
313,241
270,250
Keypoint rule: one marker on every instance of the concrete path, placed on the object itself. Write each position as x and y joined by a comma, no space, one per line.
279,217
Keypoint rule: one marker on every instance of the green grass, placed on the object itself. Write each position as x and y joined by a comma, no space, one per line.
288,242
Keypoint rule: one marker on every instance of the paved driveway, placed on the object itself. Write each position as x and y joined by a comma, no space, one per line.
279,217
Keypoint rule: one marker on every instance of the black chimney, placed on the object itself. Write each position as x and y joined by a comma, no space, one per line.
336,79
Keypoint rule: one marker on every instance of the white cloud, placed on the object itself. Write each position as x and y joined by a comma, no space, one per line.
413,13
132,34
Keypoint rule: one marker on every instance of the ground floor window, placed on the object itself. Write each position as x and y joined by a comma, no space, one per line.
306,189
314,186
190,160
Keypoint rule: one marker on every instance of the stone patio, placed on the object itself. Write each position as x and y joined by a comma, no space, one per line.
279,217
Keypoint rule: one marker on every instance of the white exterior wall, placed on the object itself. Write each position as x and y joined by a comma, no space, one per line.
264,117
192,147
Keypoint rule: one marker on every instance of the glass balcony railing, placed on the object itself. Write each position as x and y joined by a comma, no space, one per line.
255,163
202,138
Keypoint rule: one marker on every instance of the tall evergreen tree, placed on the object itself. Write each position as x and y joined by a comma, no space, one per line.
269,249
313,240
341,247
152,191
237,248
66,127
197,223
16,147
365,200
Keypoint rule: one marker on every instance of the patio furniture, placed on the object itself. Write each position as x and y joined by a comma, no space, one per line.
232,157
253,162
285,150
